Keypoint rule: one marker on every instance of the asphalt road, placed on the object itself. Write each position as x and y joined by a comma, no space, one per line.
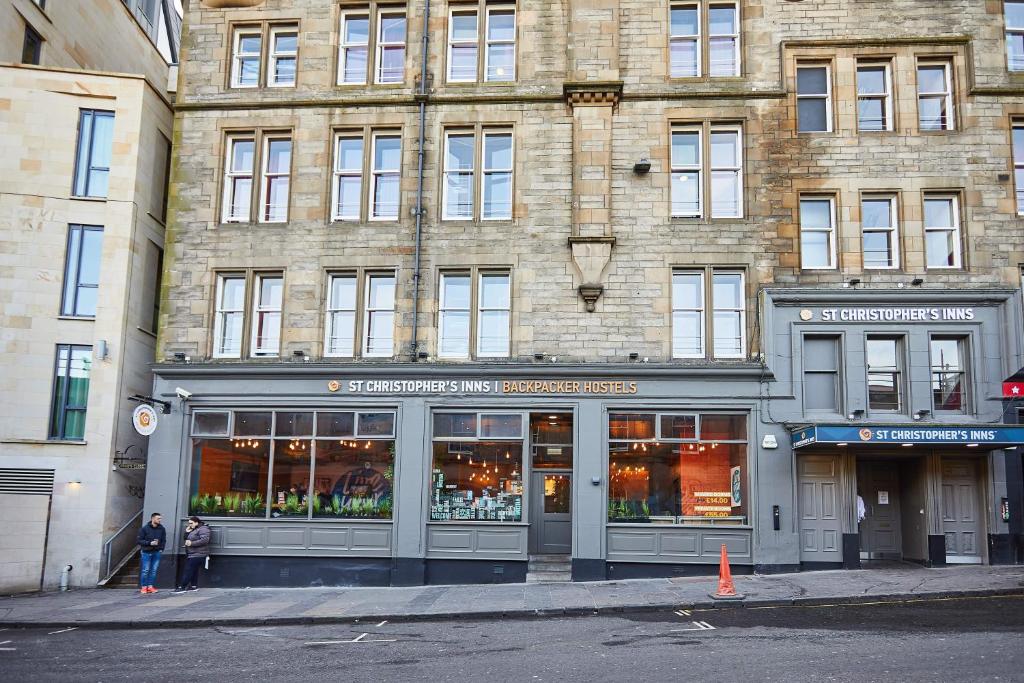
938,640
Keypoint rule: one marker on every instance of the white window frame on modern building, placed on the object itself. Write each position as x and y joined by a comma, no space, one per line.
945,95
892,230
490,173
448,174
680,171
685,70
951,233
734,169
349,172
463,44
1014,35
379,175
88,152
680,313
484,312
490,43
238,58
370,312
231,176
810,97
830,231
378,68
733,37
344,47
447,312
1017,145
262,309
886,96
269,214
275,56
336,310
222,314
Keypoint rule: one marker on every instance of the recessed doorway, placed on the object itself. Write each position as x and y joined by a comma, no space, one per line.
551,451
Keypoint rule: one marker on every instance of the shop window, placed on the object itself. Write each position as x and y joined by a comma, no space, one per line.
814,98
677,468
689,51
1014,14
82,271
551,440
70,392
935,96
821,373
294,464
482,50
949,374
885,374
817,233
477,472
94,152
880,234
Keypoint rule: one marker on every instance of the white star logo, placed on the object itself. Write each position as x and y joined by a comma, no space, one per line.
1015,389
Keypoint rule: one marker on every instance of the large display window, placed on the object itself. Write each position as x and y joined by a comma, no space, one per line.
477,472
293,464
677,468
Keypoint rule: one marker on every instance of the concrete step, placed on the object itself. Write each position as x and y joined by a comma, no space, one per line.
548,577
541,566
551,558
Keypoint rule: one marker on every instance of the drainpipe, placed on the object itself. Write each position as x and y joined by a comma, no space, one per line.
421,96
65,578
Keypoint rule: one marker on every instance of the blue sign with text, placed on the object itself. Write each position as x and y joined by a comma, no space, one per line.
964,435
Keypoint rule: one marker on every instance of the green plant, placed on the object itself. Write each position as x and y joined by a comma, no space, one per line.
193,503
291,504
252,505
336,505
389,473
233,503
384,506
645,509
314,501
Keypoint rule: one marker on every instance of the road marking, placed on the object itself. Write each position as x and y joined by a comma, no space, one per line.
357,639
65,630
8,649
382,623
6,641
683,612
700,626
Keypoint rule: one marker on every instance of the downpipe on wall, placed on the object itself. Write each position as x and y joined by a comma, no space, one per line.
421,95
65,578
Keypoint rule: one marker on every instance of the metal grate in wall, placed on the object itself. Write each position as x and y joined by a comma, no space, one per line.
26,481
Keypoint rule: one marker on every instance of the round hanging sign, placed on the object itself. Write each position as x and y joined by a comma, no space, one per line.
144,420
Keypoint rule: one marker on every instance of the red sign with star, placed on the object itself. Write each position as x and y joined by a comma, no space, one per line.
1013,389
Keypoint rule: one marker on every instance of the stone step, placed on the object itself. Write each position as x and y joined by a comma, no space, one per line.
551,558
548,577
542,566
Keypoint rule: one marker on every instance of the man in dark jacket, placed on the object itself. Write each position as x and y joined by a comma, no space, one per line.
197,549
151,539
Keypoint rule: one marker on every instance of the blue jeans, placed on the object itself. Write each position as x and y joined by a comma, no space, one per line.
150,562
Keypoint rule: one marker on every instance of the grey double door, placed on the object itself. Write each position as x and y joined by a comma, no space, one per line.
551,512
878,483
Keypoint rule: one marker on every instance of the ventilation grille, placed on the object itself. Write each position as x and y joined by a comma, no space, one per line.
26,482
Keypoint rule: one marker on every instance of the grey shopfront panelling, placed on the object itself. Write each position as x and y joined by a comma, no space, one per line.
679,545
273,537
479,541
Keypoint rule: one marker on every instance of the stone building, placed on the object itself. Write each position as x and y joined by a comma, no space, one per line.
457,284
85,129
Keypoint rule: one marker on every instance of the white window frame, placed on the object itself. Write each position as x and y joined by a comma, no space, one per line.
486,172
1018,166
688,168
493,9
1012,31
694,38
827,96
481,309
830,231
702,311
230,176
893,230
220,313
337,174
369,311
273,55
463,10
946,95
258,308
381,46
333,308
237,57
735,36
953,230
448,134
885,96
737,169
344,47
266,176
444,308
741,309
376,173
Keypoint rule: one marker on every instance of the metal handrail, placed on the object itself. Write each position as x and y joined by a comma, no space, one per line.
108,562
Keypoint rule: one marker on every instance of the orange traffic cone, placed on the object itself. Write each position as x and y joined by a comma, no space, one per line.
726,588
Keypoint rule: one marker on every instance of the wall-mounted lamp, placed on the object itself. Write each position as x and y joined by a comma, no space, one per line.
642,167
917,281
922,413
76,481
538,356
852,282
856,414
634,356
101,351
422,355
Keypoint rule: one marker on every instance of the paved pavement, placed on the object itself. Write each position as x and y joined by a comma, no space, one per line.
964,639
121,608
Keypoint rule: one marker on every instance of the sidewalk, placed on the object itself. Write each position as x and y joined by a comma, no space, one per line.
122,608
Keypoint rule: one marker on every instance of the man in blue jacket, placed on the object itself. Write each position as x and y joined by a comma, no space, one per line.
151,539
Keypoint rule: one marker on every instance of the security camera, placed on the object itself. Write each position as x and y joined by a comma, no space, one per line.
182,394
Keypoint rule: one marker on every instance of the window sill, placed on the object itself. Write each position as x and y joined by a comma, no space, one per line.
673,525
301,520
484,522
98,200
148,333
161,221
86,318
46,442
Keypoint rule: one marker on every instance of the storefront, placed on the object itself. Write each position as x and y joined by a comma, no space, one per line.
319,475
893,405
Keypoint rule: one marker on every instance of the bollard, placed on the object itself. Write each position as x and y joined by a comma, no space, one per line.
65,577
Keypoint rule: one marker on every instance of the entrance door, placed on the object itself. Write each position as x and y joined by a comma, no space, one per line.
820,530
878,483
551,513
961,521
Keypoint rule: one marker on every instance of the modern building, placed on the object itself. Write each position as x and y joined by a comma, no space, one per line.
453,285
85,128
